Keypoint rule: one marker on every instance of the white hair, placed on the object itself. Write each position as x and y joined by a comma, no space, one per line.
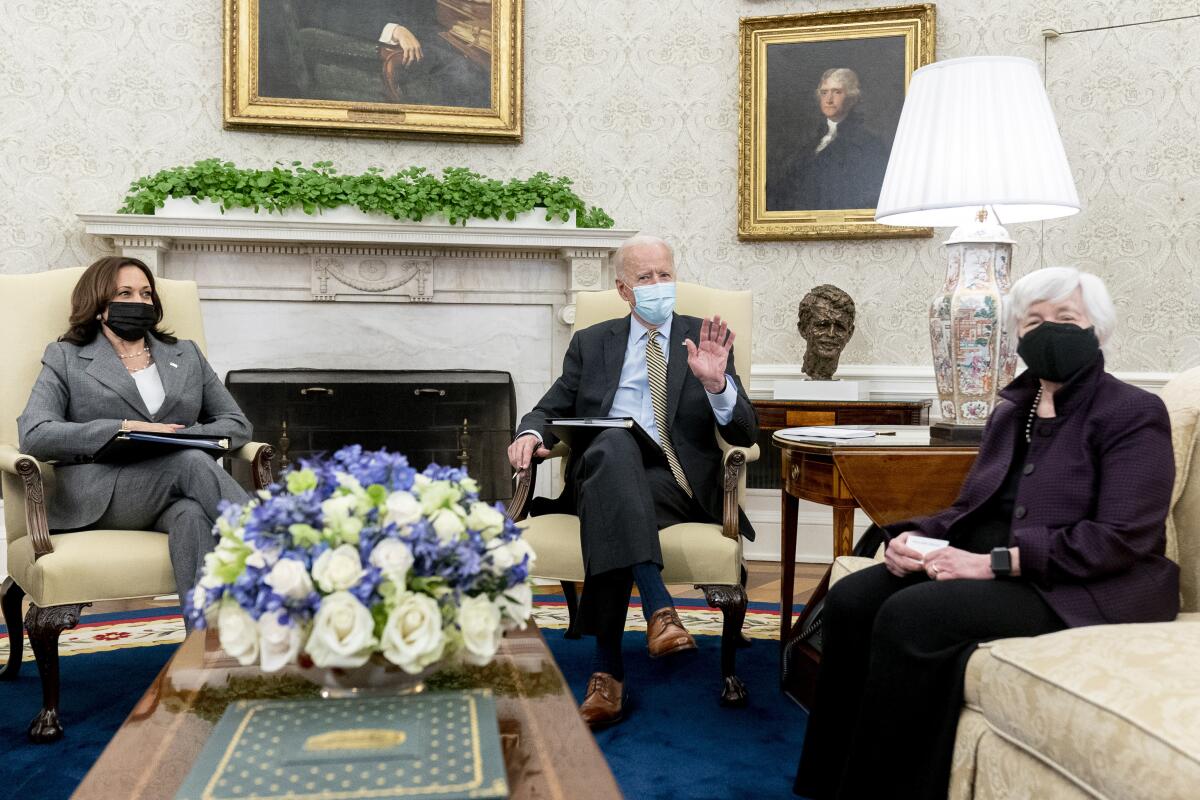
634,242
1056,283
848,79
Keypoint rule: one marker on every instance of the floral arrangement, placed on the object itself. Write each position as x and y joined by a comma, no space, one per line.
359,554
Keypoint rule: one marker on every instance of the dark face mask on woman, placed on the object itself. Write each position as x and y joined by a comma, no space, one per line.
1055,351
131,321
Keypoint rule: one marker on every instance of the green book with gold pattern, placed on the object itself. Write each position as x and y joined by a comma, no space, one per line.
432,746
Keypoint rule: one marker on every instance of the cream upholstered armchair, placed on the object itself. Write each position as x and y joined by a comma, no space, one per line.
708,556
61,573
1105,711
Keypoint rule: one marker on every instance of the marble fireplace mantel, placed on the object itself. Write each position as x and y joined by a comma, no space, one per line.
274,258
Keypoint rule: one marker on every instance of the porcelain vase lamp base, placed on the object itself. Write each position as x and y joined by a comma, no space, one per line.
973,357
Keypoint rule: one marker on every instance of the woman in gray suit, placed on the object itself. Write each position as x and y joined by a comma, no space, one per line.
116,369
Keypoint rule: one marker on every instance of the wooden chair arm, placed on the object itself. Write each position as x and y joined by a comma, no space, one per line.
29,471
733,462
525,480
259,455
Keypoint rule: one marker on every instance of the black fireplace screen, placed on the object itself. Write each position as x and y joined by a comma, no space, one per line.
452,417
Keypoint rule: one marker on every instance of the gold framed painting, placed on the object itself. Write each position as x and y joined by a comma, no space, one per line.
449,69
820,101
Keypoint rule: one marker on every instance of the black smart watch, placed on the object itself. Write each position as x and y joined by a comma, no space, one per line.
1001,562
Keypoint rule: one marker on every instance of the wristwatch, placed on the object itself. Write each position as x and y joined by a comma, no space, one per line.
1001,562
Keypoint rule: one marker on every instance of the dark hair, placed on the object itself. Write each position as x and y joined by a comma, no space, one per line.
94,292
840,302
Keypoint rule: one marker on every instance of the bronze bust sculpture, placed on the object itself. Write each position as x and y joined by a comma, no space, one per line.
826,321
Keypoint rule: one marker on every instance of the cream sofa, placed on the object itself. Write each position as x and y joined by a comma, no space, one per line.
1109,711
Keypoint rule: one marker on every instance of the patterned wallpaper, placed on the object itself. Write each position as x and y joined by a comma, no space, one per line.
638,101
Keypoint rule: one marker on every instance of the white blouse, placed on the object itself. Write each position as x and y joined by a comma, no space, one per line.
150,387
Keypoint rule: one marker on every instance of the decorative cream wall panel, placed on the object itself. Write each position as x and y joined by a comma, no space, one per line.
638,101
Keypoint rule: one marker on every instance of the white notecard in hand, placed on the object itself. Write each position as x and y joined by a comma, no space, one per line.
925,544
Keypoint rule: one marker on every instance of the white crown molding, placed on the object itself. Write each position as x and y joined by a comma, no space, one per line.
149,227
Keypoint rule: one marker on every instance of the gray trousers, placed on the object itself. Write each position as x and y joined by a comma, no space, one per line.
176,494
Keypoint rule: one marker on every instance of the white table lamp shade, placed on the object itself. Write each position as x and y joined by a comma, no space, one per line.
976,132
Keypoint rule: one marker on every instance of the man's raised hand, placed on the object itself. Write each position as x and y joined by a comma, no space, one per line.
708,359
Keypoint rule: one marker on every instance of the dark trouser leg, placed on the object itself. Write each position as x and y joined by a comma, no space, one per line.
622,504
11,596
849,615
921,641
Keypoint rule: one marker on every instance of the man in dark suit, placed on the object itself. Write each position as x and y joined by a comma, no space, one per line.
840,164
674,375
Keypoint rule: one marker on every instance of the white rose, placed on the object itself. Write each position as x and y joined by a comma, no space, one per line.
501,556
403,508
448,526
413,638
238,633
342,632
485,519
338,569
289,578
506,555
517,604
279,643
394,560
256,560
479,621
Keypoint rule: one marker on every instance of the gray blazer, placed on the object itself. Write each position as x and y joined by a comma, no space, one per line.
79,400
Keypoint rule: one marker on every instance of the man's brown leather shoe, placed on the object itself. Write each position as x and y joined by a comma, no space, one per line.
665,634
605,701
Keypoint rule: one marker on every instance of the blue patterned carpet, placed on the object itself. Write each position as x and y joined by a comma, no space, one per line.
677,742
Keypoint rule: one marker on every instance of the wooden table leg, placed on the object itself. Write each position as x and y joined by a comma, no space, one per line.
787,541
843,531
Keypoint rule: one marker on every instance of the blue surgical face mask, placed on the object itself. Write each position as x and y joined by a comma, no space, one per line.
654,302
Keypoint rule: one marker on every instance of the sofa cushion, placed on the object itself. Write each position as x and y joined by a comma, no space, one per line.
93,565
1114,707
693,552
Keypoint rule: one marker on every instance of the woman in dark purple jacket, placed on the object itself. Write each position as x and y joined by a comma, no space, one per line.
1059,524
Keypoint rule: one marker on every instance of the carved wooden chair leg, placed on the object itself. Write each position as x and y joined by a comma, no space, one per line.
743,640
44,626
572,597
11,596
732,602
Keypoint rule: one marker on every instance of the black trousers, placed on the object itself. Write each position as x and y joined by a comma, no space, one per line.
623,501
890,687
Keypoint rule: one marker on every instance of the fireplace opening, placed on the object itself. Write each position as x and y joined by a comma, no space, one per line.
462,418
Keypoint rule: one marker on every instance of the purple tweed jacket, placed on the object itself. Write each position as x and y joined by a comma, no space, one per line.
1092,502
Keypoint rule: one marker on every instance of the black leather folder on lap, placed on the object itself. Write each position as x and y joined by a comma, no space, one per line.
578,433
128,446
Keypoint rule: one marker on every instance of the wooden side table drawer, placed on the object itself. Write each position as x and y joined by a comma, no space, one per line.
800,418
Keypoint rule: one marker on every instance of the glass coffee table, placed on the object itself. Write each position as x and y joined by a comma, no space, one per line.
548,750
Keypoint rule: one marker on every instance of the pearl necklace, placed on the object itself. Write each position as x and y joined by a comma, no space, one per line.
1032,415
138,354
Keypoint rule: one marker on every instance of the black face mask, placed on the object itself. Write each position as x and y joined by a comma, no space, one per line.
1056,351
130,321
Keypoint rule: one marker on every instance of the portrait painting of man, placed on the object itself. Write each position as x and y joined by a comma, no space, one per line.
826,92
375,66
318,50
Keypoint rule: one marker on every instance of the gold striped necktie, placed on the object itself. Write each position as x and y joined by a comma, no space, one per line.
656,373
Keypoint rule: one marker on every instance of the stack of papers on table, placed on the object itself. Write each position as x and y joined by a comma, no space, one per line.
823,432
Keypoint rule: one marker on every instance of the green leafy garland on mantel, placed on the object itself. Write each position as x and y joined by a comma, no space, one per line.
410,194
